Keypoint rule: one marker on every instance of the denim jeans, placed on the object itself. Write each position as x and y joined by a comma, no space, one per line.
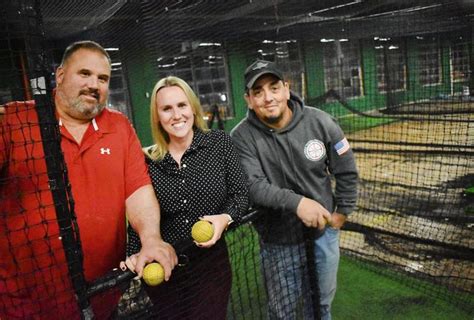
286,277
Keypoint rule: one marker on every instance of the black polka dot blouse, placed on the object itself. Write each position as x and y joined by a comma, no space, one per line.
210,181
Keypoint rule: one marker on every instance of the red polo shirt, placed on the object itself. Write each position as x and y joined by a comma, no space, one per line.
106,168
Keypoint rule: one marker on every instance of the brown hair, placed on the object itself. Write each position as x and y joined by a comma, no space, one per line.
86,44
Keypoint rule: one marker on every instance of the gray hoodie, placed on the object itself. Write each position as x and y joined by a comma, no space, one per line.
298,160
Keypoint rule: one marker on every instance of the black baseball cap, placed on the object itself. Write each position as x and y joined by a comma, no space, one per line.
258,69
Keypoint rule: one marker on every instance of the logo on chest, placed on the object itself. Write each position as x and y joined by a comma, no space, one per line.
314,150
105,151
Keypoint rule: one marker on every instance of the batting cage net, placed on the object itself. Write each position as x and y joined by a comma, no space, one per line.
397,75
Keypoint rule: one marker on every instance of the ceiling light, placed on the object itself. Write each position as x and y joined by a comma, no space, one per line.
209,44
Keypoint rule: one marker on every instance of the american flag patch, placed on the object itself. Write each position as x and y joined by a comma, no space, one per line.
342,146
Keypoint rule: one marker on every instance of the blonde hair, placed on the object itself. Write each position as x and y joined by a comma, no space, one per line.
160,136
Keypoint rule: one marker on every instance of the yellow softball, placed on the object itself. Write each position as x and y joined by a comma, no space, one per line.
153,274
202,231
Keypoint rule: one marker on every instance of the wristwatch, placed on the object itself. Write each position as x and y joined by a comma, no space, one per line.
230,220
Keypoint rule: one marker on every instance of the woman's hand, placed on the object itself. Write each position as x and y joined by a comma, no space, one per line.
129,263
219,223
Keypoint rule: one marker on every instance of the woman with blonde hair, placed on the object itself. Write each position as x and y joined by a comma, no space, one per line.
196,175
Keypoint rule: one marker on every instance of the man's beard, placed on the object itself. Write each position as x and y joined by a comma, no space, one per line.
83,110
274,119
87,112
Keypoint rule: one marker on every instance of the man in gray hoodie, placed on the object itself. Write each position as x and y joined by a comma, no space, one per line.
291,152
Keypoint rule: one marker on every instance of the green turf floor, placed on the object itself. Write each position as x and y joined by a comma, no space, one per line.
365,294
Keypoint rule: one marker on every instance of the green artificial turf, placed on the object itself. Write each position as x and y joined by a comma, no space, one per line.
365,294
365,291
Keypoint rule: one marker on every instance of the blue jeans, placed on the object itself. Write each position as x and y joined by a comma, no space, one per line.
286,277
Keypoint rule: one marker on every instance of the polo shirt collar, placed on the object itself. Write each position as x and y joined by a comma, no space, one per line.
102,123
94,124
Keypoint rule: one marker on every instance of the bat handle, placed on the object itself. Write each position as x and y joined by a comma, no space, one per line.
111,280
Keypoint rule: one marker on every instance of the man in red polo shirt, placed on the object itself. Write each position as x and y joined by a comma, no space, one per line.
108,178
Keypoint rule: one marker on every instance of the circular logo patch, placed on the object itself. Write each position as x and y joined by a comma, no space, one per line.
314,150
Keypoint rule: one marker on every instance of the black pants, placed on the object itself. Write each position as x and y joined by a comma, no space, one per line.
198,290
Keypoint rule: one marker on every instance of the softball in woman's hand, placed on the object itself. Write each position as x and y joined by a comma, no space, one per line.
202,231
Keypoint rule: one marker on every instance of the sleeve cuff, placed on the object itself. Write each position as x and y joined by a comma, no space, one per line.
293,201
344,210
233,214
230,220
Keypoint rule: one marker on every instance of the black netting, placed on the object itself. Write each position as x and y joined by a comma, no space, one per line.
397,76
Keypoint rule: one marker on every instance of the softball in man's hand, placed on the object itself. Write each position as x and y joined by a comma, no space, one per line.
153,274
202,231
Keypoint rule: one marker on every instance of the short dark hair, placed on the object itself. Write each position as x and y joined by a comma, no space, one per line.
85,44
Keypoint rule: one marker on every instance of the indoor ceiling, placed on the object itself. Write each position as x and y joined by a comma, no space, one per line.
185,19
179,21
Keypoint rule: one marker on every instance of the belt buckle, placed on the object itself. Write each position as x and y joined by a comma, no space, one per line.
183,260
